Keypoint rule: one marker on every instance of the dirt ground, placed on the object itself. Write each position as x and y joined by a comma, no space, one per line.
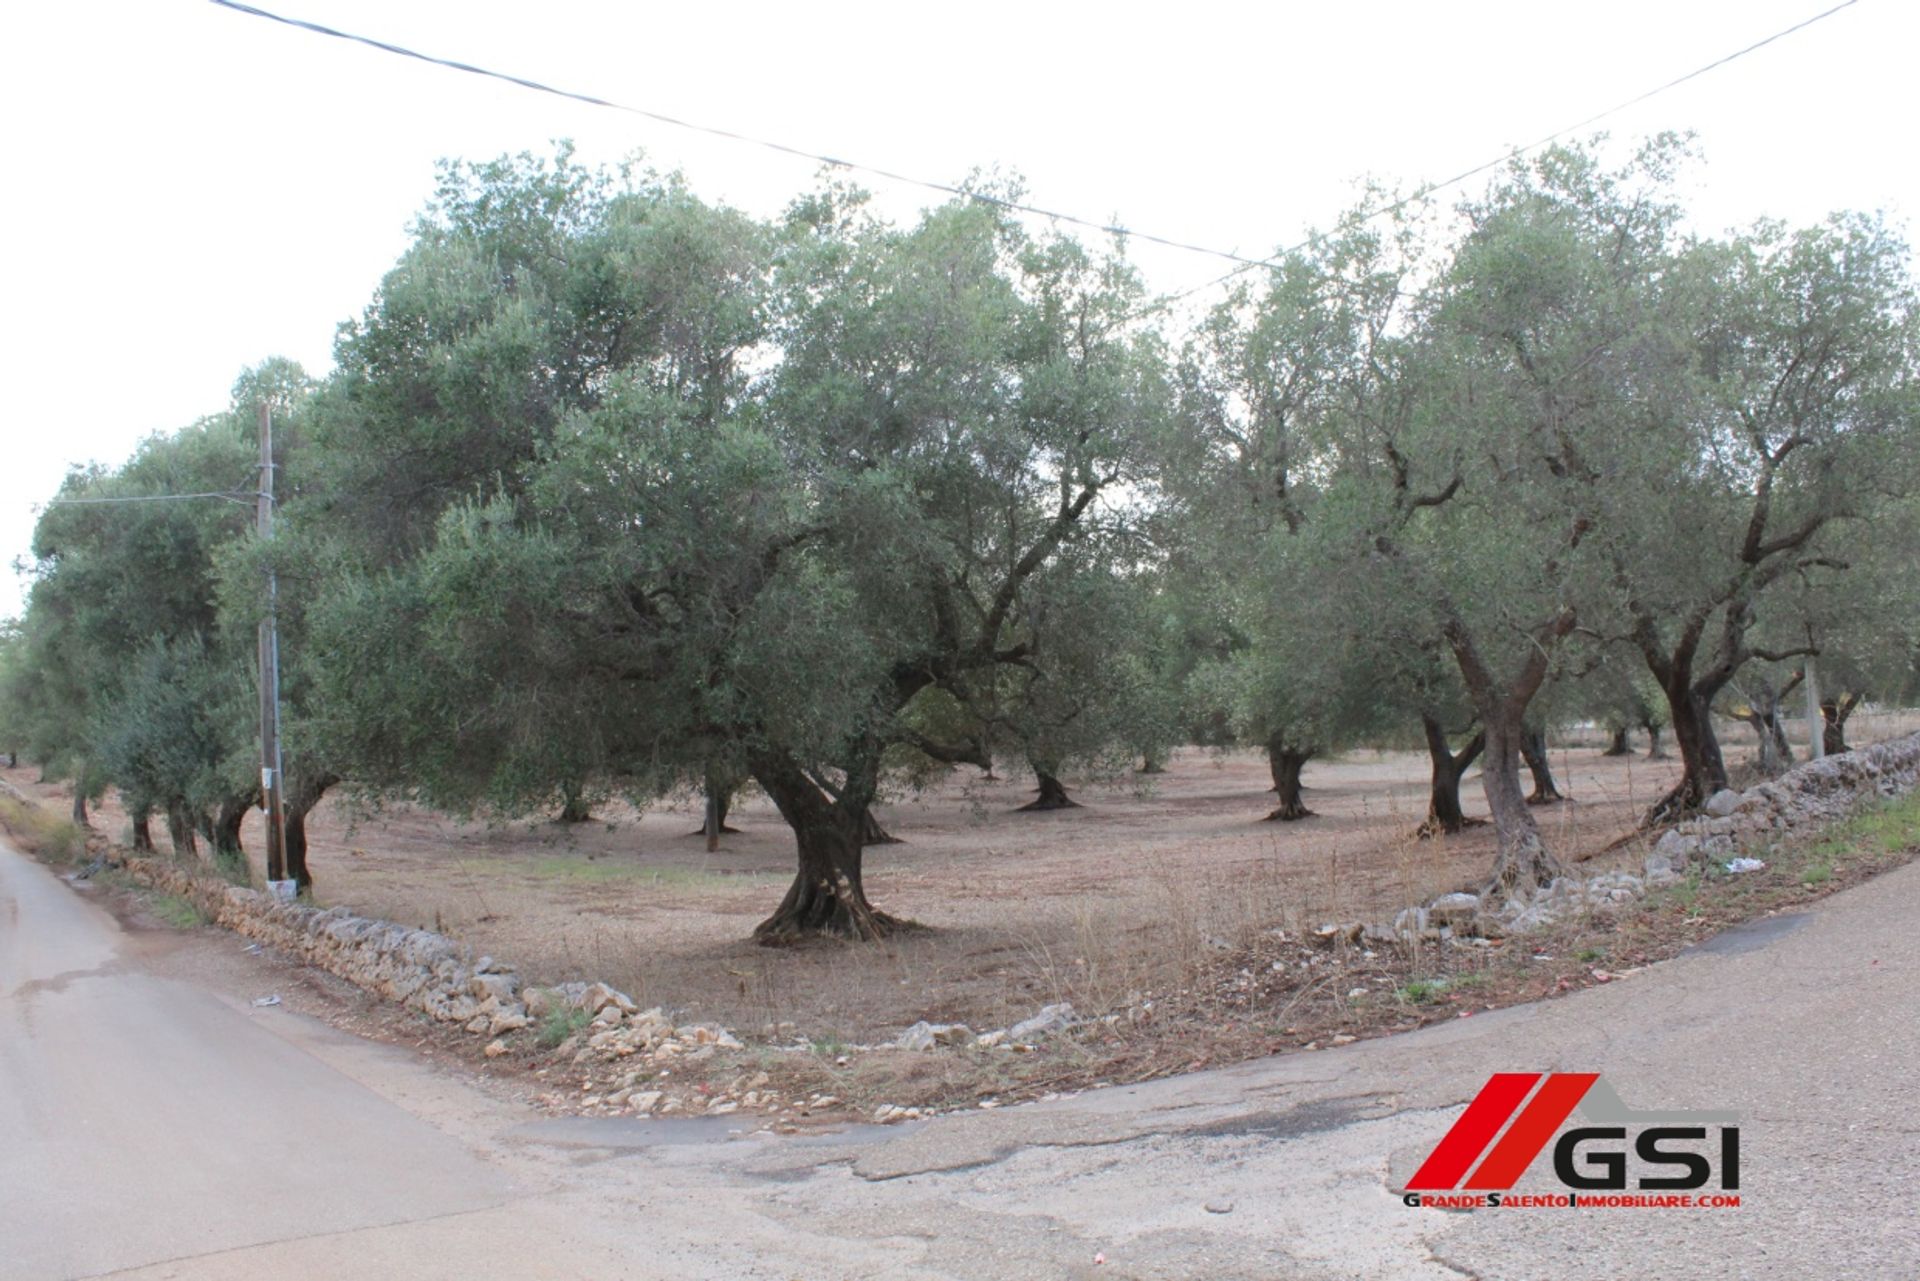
1147,883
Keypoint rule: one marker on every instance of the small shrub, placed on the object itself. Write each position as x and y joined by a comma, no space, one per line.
1422,991
559,1023
177,912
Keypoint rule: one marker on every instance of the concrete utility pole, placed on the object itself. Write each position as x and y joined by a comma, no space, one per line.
271,786
1816,723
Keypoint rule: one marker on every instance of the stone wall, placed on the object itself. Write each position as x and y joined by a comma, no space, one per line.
1806,797
1802,800
415,968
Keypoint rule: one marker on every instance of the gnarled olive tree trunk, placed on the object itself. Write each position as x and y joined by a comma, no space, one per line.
1763,716
1533,750
1618,746
573,804
1703,768
827,896
305,793
718,788
1284,762
226,827
1524,862
180,830
1052,793
1444,815
1833,718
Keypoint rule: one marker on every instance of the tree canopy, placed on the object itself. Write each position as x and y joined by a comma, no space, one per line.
617,490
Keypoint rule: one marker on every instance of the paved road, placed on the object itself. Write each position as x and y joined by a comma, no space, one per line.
154,1126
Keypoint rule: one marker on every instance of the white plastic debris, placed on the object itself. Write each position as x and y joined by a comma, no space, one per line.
267,1000
1744,865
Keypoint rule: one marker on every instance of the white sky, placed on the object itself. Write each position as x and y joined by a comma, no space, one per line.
194,189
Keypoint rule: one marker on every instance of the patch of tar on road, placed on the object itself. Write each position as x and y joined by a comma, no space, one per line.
1752,935
60,982
616,1134
1292,1123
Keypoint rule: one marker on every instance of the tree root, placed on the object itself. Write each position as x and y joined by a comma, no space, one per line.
787,929
1044,803
1434,829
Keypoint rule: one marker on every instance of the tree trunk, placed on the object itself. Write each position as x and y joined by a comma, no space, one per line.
1655,752
1833,717
1523,862
305,793
719,788
1533,750
79,805
1619,745
226,828
143,832
1153,762
573,805
1774,753
180,831
1053,793
871,833
1285,763
1444,815
826,897
1703,769
1763,715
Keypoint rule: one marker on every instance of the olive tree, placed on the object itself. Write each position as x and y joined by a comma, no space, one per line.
1793,419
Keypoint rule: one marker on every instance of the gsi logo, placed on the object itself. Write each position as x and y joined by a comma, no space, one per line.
1587,1158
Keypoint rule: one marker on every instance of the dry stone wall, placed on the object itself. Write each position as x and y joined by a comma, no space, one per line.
1804,799
416,968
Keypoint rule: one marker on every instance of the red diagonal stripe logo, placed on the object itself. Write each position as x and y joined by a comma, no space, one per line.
1531,1130
1476,1127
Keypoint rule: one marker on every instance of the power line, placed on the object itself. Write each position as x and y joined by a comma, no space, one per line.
237,497
1012,206
1517,152
1244,263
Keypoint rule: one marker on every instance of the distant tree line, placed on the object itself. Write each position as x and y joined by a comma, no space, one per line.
616,491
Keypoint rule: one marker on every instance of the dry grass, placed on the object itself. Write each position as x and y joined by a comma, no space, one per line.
1145,890
40,831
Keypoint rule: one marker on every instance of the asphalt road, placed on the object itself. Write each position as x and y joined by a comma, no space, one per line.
152,1127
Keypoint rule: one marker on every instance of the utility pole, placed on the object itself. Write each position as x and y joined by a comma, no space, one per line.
1816,723
272,788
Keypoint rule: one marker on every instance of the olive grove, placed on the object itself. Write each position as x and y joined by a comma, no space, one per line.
613,491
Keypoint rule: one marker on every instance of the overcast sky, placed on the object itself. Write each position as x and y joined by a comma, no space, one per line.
195,189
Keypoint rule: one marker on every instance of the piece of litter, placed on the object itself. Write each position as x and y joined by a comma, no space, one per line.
267,1000
252,949
1744,865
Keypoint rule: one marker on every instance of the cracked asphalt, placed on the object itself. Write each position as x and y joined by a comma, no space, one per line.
150,1128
